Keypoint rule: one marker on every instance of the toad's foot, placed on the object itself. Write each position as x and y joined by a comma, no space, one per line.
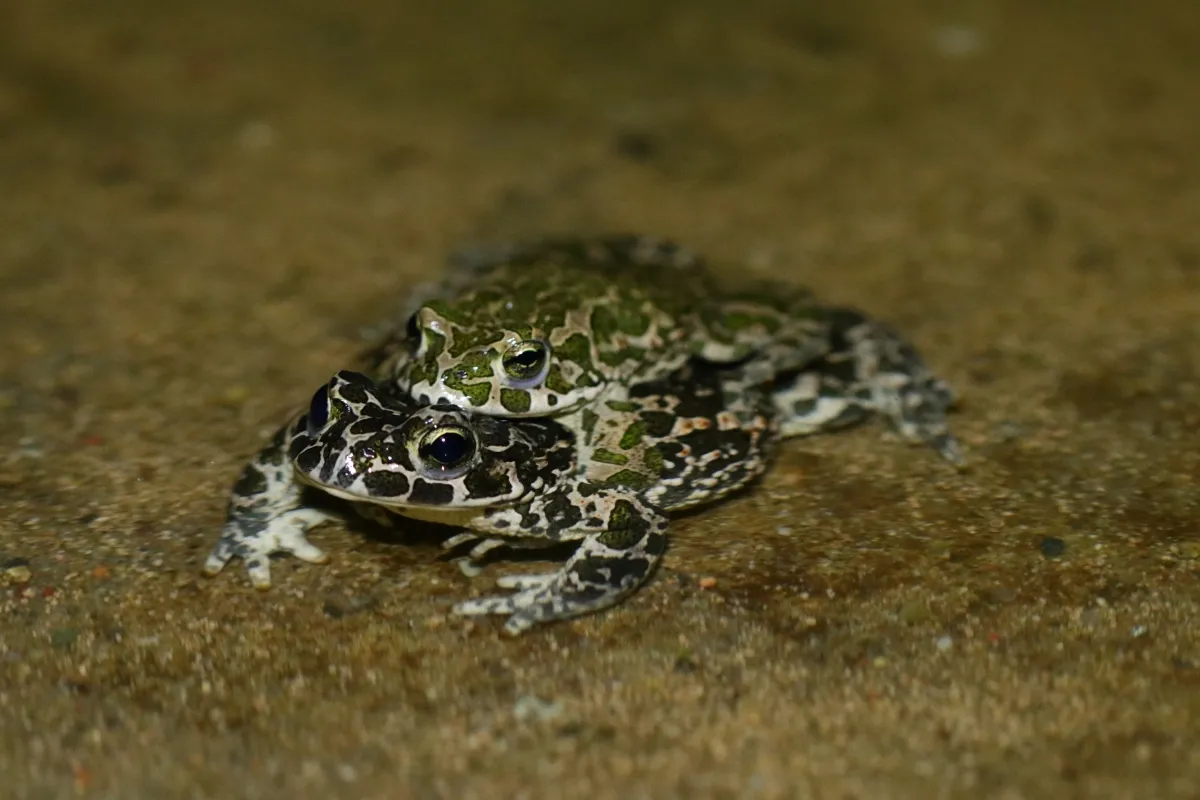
870,369
266,515
472,563
607,568
479,555
255,541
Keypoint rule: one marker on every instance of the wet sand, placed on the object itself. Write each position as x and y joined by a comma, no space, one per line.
202,210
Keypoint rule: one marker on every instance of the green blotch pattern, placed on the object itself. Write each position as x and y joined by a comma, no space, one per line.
464,340
632,436
515,401
588,422
604,324
450,313
435,343
426,370
611,358
556,381
653,461
605,456
626,527
477,365
632,321
576,349
476,393
629,479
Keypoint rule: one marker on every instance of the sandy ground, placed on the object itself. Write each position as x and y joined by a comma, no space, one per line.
201,209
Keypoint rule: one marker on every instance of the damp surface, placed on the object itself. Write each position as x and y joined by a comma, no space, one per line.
205,208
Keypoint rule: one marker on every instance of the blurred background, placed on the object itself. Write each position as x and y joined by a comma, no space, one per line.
203,206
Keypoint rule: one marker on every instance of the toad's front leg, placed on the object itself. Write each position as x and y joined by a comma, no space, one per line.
623,539
267,515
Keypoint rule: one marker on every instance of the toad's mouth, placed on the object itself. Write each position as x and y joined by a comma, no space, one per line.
456,517
465,508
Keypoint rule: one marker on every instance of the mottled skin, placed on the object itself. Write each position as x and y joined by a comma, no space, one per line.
608,481
551,326
837,368
869,369
672,444
546,327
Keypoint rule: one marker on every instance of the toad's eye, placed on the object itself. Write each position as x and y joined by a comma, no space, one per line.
526,363
412,333
447,451
318,411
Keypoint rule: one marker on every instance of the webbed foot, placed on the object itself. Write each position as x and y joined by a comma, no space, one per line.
254,544
607,567
266,515
870,369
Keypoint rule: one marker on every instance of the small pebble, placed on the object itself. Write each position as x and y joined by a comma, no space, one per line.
529,707
1053,547
944,643
18,573
707,583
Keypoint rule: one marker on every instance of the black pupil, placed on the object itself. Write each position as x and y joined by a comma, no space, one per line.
318,410
526,359
448,449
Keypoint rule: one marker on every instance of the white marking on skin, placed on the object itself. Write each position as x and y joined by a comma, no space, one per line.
436,323
576,320
458,517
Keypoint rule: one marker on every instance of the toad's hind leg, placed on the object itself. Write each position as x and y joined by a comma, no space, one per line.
621,544
266,515
870,369
819,400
